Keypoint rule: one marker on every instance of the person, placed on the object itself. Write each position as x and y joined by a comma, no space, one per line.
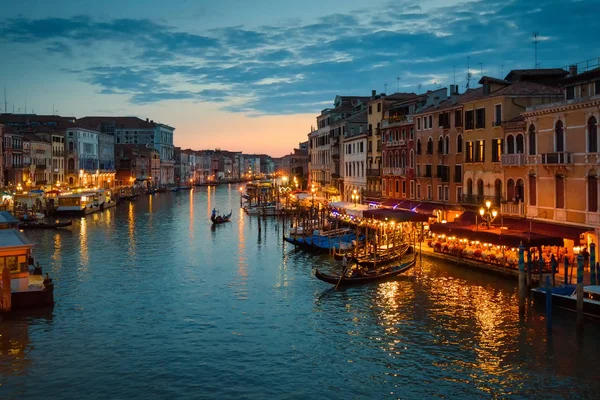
47,280
214,212
586,258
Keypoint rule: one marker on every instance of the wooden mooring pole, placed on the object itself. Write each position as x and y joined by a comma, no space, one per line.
522,287
548,306
580,262
593,270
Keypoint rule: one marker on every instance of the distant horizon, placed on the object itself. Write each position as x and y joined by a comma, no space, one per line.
255,77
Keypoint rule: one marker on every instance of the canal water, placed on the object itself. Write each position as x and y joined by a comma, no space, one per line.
154,303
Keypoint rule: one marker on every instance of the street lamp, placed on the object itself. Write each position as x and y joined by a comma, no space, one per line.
313,190
241,194
488,215
354,197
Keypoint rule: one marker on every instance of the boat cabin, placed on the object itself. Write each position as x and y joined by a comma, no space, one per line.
15,252
81,200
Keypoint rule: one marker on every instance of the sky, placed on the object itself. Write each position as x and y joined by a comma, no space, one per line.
252,75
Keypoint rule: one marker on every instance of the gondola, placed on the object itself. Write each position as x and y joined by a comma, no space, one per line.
220,219
382,274
44,225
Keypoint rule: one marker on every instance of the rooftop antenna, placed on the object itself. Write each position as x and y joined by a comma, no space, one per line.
385,88
5,103
53,112
398,84
468,72
454,74
535,43
480,69
419,88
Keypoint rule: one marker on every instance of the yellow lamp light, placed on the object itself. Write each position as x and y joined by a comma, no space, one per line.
481,211
494,213
488,203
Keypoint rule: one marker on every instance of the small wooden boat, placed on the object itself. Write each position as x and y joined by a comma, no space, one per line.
220,219
374,276
44,225
565,297
131,197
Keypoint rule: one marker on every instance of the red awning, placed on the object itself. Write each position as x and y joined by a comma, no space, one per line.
391,202
428,208
496,236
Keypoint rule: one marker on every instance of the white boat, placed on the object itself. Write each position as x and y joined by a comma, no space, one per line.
84,202
566,297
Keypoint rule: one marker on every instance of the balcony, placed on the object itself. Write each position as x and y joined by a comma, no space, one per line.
40,166
471,199
511,208
513,159
557,158
373,172
335,176
394,171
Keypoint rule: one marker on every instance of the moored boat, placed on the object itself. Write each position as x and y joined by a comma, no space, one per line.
372,276
565,297
44,225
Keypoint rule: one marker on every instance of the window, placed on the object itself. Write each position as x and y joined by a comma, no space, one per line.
570,92
532,150
412,133
498,115
532,190
404,187
597,89
430,121
470,152
457,118
458,173
418,124
412,189
428,171
428,192
496,149
480,151
459,143
370,110
418,147
559,144
440,147
458,193
447,144
559,182
520,144
469,119
418,191
439,193
480,118
396,185
425,119
446,193
378,107
592,135
510,144
592,192
444,120
430,145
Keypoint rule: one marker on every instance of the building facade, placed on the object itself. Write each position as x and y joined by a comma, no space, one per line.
82,157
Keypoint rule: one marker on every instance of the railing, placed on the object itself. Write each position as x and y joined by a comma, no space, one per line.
513,159
472,199
557,158
373,172
512,208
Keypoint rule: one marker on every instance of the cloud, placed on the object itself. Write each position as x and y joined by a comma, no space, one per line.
296,67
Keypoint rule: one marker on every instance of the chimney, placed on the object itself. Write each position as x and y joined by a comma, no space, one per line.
373,93
147,120
572,70
436,101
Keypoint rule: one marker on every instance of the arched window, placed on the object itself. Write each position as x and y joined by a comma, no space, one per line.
532,140
510,144
559,137
592,135
71,146
411,161
520,190
469,187
520,144
418,147
71,163
430,145
447,144
440,146
592,187
510,190
479,190
532,189
71,181
497,191
459,143
403,160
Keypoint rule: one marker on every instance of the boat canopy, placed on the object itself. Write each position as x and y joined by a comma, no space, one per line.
356,210
383,214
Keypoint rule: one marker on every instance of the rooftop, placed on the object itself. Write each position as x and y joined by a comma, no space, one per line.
13,238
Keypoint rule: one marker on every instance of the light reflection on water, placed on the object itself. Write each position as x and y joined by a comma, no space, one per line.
238,308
